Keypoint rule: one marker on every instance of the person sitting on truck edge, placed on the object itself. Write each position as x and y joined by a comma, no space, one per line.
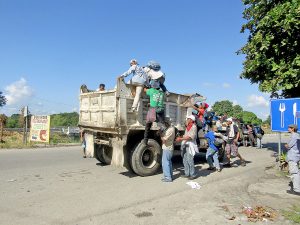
189,147
212,155
101,87
154,72
293,159
139,79
156,111
167,138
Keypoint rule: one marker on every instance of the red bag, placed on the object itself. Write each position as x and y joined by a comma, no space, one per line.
151,115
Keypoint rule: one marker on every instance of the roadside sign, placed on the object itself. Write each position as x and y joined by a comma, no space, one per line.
283,113
40,129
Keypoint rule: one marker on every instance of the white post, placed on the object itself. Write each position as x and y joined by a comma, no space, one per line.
279,148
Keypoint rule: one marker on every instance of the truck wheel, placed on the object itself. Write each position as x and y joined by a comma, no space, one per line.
103,154
145,160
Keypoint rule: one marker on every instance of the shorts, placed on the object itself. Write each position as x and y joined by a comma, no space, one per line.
231,149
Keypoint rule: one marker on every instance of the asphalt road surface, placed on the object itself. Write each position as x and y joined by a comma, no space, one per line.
57,186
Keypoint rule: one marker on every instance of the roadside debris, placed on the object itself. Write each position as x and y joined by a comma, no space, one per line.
12,180
194,185
259,213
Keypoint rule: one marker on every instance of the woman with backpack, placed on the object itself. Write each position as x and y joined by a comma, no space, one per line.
139,79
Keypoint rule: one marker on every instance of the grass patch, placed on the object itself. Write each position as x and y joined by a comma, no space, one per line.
15,140
293,214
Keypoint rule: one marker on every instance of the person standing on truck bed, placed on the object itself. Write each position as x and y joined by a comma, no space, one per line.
189,147
139,79
153,70
156,111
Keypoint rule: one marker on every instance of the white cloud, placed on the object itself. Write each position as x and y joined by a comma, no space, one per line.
226,85
255,100
17,92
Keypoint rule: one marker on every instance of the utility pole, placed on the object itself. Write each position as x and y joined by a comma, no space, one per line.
25,114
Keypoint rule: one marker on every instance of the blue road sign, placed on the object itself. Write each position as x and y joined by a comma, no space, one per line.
283,113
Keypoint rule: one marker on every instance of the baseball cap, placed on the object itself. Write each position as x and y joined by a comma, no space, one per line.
293,126
229,119
192,117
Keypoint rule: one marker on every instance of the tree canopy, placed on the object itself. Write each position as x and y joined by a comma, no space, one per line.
64,119
226,107
273,50
2,99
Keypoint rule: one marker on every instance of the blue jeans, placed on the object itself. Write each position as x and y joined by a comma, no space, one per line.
167,164
212,158
188,163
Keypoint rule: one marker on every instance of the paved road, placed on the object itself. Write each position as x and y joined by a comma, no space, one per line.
57,186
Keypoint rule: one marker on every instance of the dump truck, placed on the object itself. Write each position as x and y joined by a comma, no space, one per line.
113,133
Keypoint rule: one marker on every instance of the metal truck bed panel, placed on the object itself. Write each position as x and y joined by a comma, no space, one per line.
111,109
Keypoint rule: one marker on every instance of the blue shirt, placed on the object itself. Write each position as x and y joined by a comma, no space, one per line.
211,138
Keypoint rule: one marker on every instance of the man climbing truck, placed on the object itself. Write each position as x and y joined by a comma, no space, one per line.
113,132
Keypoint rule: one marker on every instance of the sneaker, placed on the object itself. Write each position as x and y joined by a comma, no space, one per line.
227,165
292,192
185,176
84,156
211,168
132,110
243,163
166,180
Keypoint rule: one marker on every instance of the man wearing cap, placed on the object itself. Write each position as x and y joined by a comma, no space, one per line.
189,147
156,111
139,79
167,138
231,147
293,158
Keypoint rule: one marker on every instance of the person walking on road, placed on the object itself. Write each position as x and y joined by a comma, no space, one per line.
231,147
189,147
212,155
293,158
83,143
167,138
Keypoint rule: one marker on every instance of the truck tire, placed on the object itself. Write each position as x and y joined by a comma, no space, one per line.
98,154
103,154
146,160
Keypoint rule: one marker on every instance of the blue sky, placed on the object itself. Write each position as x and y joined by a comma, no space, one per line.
49,48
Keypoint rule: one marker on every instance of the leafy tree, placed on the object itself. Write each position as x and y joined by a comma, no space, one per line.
268,121
2,99
13,121
64,119
237,111
273,49
3,119
251,118
223,107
